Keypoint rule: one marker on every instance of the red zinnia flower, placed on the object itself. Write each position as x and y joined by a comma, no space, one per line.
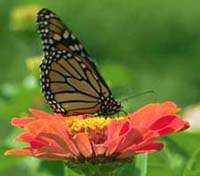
82,137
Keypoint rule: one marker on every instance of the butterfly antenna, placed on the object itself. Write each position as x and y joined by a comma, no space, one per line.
137,95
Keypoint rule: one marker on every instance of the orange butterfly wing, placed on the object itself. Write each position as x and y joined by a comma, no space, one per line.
70,81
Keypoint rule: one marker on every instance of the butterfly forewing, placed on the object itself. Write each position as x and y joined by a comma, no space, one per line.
70,81
56,35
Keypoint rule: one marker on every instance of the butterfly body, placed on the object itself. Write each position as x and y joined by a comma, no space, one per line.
70,80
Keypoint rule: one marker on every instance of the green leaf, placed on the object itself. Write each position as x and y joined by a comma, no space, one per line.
8,162
193,167
176,154
182,140
18,165
53,168
73,172
140,165
137,168
170,160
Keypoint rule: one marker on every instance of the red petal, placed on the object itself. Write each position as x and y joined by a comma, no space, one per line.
99,149
126,154
53,156
147,115
186,125
24,151
33,140
112,145
147,149
169,124
58,141
38,143
124,128
132,137
54,132
52,153
41,114
114,129
150,148
117,129
36,126
83,144
21,122
147,138
162,122
166,131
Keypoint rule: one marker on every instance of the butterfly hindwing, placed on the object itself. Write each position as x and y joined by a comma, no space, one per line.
69,85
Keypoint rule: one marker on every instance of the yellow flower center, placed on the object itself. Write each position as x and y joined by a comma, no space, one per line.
89,125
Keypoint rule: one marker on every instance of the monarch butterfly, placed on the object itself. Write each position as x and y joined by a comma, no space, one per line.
70,80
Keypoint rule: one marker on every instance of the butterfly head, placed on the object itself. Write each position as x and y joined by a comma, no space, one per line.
109,106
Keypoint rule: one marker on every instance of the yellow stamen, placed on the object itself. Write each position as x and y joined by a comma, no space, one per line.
96,124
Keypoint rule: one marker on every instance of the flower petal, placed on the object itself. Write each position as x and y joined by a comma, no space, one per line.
34,141
126,154
147,115
169,124
24,151
41,114
117,129
52,153
21,122
114,129
99,149
150,148
147,138
57,140
83,144
125,128
132,137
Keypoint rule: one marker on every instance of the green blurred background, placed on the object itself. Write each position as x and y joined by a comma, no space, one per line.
137,45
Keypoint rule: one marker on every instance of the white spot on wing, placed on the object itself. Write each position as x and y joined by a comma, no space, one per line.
56,37
80,46
83,65
72,48
95,76
47,16
73,37
66,34
82,54
50,41
69,55
76,47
